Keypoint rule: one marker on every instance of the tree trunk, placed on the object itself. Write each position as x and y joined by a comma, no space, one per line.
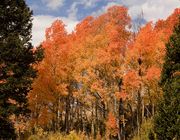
67,113
121,120
138,112
153,109
142,110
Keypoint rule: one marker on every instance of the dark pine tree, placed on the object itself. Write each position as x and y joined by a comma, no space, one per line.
167,120
16,59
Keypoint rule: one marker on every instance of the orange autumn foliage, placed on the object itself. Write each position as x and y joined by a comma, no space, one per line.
153,73
131,80
53,74
112,125
149,46
121,95
92,60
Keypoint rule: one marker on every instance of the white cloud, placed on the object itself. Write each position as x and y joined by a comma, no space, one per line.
155,10
130,3
104,9
72,12
41,22
152,9
53,4
89,3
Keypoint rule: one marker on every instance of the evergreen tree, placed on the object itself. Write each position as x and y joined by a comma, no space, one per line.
16,59
167,120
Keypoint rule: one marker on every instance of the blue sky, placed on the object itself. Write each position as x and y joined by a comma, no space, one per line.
73,11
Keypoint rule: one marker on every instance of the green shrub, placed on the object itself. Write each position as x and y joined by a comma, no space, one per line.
145,131
73,136
34,137
57,136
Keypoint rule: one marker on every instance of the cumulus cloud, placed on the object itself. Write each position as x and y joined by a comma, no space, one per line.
152,9
53,4
104,9
72,12
156,9
130,3
89,3
41,22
